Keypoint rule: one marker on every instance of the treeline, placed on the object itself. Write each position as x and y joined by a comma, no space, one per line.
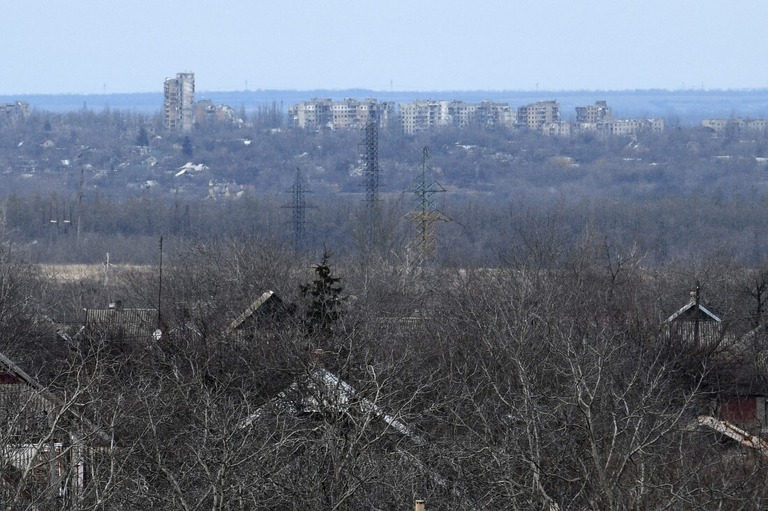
478,231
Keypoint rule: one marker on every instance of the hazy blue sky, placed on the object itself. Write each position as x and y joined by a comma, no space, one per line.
93,46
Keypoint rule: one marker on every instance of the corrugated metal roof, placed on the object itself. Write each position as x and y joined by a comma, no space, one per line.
129,323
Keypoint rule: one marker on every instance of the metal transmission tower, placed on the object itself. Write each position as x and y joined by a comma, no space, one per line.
425,214
369,149
298,207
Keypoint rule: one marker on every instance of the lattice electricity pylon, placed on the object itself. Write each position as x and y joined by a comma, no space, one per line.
298,207
369,154
426,215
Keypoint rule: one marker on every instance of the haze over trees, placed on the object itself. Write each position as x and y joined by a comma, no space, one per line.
528,366
93,169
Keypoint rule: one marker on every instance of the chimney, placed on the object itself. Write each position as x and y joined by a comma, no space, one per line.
419,505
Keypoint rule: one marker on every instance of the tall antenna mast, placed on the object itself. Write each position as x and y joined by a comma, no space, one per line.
425,214
370,156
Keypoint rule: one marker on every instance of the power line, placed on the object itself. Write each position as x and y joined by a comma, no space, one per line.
298,206
369,149
425,214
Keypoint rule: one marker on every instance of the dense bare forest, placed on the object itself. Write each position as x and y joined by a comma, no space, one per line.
537,363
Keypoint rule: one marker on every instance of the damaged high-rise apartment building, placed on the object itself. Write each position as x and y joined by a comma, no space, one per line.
179,104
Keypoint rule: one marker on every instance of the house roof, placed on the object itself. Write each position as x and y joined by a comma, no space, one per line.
328,391
732,431
248,312
12,374
267,305
131,323
693,311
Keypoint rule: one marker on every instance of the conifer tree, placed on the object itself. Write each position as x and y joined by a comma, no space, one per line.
325,307
186,147
142,139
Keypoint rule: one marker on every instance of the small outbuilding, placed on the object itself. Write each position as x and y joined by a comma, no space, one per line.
694,324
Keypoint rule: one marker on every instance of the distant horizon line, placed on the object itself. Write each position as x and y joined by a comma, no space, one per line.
401,91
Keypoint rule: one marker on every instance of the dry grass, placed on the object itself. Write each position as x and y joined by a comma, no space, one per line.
76,272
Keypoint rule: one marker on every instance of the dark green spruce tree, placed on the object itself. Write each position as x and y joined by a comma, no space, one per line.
325,302
142,139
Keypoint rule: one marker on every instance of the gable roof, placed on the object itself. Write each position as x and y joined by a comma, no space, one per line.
328,391
693,311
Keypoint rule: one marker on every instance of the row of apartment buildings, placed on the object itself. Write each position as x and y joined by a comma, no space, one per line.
182,113
414,116
598,118
349,113
422,115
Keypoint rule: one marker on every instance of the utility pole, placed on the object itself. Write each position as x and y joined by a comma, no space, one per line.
80,204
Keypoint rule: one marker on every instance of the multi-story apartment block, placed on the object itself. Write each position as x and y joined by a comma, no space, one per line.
591,115
14,111
385,111
495,114
419,115
720,125
536,115
557,129
179,101
349,113
631,126
735,125
344,113
757,124
313,114
456,113
422,115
